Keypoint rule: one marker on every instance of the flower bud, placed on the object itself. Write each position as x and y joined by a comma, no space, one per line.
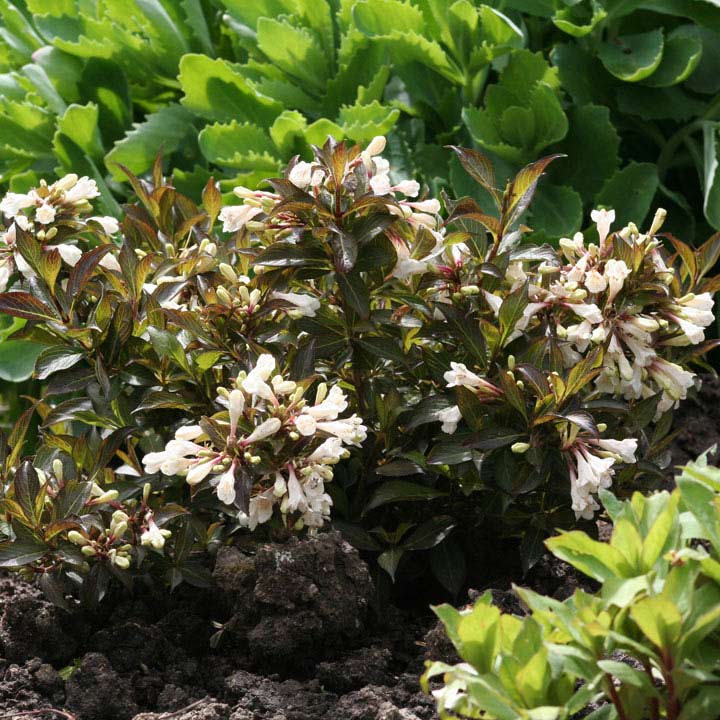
77,538
602,427
122,561
511,362
58,469
147,487
470,290
88,550
228,273
108,496
223,296
520,447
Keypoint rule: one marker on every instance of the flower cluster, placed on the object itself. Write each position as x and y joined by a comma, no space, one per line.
591,462
277,449
42,212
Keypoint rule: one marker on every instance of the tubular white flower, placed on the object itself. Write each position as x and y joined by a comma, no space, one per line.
300,174
449,417
459,375
69,253
45,214
409,188
624,449
226,487
603,219
255,383
595,282
672,378
82,190
188,432
235,217
236,405
109,224
615,273
152,536
199,471
266,429
305,305
330,407
12,203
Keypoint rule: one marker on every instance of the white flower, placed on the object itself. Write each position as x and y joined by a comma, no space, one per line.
409,188
587,311
408,267
226,487
199,471
45,214
109,224
350,430
236,405
69,253
255,383
624,449
153,536
425,206
461,376
295,495
603,219
305,305
615,273
188,432
306,424
330,449
375,147
13,203
82,190
449,417
300,174
109,262
234,217
672,378
260,509
594,281
330,407
266,429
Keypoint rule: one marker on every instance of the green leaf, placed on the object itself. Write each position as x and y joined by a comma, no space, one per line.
682,53
167,345
17,554
217,90
295,50
591,147
355,292
630,193
400,491
711,173
596,559
17,359
390,559
56,358
447,562
633,57
659,619
430,533
557,211
162,131
577,21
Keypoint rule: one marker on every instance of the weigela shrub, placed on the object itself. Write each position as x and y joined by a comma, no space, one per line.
211,370
645,645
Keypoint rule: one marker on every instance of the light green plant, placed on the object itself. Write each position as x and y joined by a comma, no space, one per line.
645,646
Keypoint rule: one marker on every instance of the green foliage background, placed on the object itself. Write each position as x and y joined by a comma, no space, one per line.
629,90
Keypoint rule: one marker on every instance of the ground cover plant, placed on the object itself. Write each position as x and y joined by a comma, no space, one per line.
644,645
330,342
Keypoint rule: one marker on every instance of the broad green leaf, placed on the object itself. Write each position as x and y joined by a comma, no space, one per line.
633,57
295,50
17,359
362,123
591,147
80,124
630,192
217,90
556,210
706,77
163,131
681,55
479,635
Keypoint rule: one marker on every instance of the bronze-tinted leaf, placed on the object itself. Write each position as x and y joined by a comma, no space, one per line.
83,271
24,305
480,168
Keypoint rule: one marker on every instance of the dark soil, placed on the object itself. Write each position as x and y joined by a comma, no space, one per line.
289,633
